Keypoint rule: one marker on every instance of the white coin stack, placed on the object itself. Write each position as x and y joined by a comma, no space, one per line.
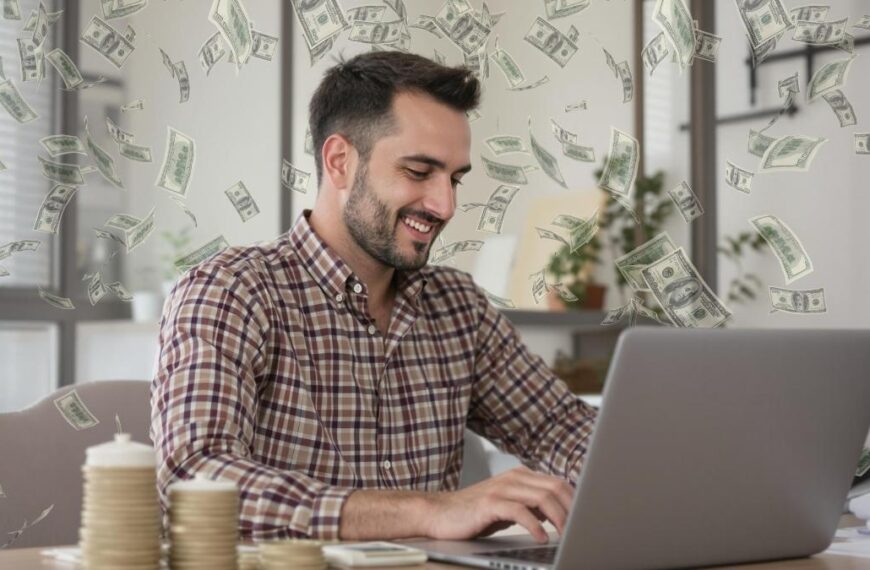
203,524
121,525
292,554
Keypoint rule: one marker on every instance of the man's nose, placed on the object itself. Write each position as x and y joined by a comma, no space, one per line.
441,199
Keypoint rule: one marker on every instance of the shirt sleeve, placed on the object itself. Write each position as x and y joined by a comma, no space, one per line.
213,360
520,405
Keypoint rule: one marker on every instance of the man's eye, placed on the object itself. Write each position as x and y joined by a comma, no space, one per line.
456,182
417,174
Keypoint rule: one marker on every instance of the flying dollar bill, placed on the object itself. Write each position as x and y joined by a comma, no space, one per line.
136,105
96,289
114,9
504,172
462,27
320,21
802,302
65,67
675,20
562,8
624,71
738,178
820,33
686,299
829,77
547,161
293,178
75,412
15,104
442,254
791,152
841,107
686,201
263,45
107,41
135,152
501,302
242,201
707,45
232,21
631,264
213,247
55,301
551,42
578,152
52,208
104,162
183,81
764,20
211,52
504,144
68,174
758,143
655,52
793,258
57,145
17,247
862,143
493,213
178,163
508,66
620,169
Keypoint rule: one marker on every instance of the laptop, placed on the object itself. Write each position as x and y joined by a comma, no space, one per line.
711,447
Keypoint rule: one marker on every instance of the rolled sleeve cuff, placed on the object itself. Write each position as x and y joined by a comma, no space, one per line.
300,507
325,516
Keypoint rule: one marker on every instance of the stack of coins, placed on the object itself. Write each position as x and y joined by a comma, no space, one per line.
203,524
120,513
295,554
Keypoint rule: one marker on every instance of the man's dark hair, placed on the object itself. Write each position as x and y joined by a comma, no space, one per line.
355,97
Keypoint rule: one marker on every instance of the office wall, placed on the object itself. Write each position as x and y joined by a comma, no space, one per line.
826,206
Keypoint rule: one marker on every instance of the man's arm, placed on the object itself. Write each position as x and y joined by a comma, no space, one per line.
521,405
204,404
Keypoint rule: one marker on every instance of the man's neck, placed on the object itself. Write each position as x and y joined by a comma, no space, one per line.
377,277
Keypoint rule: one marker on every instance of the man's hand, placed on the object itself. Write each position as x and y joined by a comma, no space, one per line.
519,496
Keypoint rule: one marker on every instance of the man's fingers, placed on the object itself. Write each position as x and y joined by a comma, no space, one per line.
539,500
516,512
554,485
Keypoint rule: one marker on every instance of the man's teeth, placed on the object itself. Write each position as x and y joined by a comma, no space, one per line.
416,225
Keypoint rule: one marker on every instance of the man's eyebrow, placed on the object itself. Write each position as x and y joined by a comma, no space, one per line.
432,161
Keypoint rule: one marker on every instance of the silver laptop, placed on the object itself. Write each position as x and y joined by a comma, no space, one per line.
712,447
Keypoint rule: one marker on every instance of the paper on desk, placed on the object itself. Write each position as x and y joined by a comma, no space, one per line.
851,543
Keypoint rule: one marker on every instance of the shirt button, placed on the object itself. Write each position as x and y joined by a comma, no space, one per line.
372,329
387,464
357,288
339,297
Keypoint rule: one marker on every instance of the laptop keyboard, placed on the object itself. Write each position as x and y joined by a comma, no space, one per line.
543,554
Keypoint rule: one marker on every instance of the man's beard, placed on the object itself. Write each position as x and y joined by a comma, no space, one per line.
369,222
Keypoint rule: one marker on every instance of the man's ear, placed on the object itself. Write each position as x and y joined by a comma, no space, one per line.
339,161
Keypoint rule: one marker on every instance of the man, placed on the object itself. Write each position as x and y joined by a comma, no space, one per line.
331,373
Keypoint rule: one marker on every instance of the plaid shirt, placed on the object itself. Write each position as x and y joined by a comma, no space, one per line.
273,375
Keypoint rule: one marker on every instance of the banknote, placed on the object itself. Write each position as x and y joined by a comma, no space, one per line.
365,14
791,152
294,178
654,52
448,251
764,19
15,104
75,412
790,84
503,144
686,201
581,230
493,213
242,201
829,77
56,301
57,145
120,291
738,178
180,203
183,81
136,105
211,52
65,67
864,22
793,258
113,9
862,143
104,162
707,45
18,246
107,41
675,20
611,62
68,174
574,106
532,85
376,32
49,213
620,169
562,134
539,286
761,52
679,289
547,161
213,247
462,27
809,13
564,292
178,163
820,33
96,288
427,23
140,232
117,133
308,145
631,264
504,172
624,72
232,21
508,66
263,45
562,8
551,42
805,301
758,143
613,316
841,107
11,10
501,302
321,21
578,152
135,152
31,60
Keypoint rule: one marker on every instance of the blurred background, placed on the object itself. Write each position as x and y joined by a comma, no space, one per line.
246,121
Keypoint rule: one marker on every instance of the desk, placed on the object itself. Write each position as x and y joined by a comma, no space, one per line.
30,559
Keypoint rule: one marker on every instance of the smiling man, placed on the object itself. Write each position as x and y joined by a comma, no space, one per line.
332,373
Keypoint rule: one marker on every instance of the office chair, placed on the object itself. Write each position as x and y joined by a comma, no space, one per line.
41,456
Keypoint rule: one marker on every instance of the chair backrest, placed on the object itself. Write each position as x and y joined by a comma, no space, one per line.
41,457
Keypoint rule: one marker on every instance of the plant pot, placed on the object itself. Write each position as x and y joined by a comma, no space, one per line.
594,298
554,301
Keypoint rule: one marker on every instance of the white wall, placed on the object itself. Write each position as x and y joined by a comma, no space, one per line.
826,207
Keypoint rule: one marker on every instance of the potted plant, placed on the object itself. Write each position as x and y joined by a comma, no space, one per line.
178,244
746,286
